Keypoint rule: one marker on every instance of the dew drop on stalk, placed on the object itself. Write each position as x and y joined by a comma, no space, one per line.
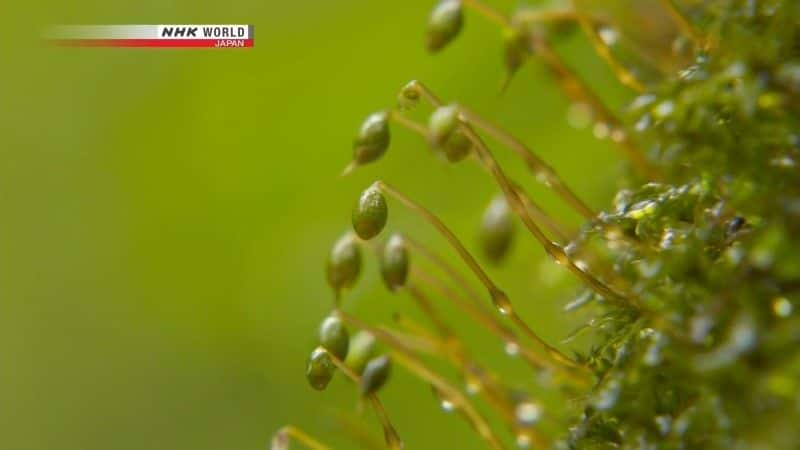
445,402
472,384
528,413
579,115
608,35
511,348
601,130
502,303
523,440
447,406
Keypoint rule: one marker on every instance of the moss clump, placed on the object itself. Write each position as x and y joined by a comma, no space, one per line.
692,275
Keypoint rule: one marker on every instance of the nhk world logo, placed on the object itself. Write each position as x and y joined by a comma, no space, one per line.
163,36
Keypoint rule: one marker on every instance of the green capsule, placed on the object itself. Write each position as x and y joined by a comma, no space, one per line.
457,147
362,349
394,262
444,24
445,135
375,374
373,138
409,96
344,263
320,369
333,337
497,230
515,51
443,124
370,214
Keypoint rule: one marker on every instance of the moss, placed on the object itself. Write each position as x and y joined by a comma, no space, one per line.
697,348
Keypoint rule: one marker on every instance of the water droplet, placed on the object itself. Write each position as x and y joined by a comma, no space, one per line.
559,255
664,424
642,101
607,396
579,115
667,239
511,348
664,109
782,307
653,356
580,301
646,333
472,382
784,162
608,35
618,135
445,402
699,327
447,406
501,302
644,123
528,413
472,388
523,440
601,130
641,209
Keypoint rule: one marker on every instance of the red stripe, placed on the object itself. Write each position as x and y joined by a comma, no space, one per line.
158,43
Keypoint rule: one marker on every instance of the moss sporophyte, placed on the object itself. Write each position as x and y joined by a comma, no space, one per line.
690,277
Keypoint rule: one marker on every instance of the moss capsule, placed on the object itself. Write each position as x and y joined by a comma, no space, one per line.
362,349
373,138
515,50
319,371
445,135
394,262
370,214
334,337
457,147
344,263
409,96
444,24
375,374
497,230
443,124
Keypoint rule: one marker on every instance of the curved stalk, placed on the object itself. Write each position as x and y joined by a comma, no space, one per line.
409,360
282,438
604,51
554,250
541,170
390,433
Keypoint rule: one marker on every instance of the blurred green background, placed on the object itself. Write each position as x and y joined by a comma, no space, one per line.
167,214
